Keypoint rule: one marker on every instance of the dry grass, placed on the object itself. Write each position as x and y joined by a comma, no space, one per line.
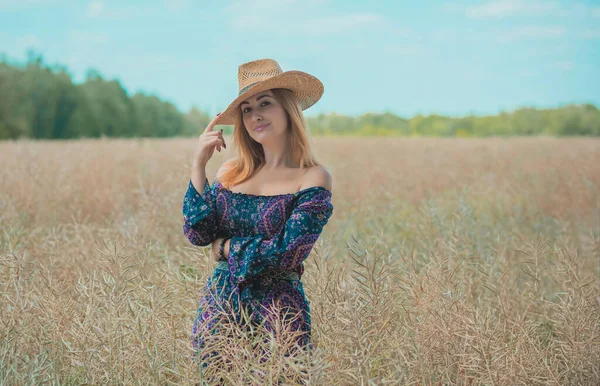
445,262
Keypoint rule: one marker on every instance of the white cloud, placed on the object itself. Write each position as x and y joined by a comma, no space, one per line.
533,33
80,36
401,50
528,73
340,24
19,47
591,34
99,9
247,21
559,48
566,66
581,9
445,34
476,76
94,8
273,14
497,9
27,42
493,9
176,5
306,17
11,5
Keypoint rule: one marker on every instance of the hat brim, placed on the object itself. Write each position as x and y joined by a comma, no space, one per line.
307,89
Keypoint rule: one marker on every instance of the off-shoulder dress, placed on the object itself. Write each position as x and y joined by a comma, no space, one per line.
271,236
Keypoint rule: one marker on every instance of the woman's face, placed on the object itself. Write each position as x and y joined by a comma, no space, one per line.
263,117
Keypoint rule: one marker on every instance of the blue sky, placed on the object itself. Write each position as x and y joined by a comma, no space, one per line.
405,57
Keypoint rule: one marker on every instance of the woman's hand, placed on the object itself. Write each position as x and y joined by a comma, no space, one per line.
208,141
215,249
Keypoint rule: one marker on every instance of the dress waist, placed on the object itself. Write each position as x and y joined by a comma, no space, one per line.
275,274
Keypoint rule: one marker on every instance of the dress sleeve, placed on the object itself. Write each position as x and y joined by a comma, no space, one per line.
200,224
251,256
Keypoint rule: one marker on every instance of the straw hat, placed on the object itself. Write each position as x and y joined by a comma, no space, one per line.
264,74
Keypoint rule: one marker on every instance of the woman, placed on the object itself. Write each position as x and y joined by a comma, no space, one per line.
265,209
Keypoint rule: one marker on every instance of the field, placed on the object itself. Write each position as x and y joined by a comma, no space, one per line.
446,261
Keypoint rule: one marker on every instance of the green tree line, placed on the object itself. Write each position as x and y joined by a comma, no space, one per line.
42,101
570,120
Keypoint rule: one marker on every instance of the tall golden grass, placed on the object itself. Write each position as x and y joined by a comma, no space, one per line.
446,261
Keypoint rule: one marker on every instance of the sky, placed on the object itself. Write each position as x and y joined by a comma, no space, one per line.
453,57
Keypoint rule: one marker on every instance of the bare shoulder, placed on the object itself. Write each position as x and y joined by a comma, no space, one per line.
317,176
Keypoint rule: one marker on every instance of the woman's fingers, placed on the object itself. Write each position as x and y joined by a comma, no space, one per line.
214,138
218,134
213,133
222,140
222,143
217,142
211,125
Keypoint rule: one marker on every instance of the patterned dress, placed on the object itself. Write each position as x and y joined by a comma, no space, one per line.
271,236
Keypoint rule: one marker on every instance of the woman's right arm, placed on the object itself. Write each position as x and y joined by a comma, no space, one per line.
208,141
199,207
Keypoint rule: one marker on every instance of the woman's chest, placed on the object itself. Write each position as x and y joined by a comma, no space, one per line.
272,182
253,216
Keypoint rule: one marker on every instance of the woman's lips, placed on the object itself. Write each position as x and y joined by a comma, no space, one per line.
261,128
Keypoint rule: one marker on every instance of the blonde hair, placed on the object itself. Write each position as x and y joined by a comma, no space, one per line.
251,156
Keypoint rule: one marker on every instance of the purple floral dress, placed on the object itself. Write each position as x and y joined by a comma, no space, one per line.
271,236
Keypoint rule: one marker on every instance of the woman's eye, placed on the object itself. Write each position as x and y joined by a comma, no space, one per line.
262,104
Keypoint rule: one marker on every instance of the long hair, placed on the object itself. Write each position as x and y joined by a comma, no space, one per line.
251,155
